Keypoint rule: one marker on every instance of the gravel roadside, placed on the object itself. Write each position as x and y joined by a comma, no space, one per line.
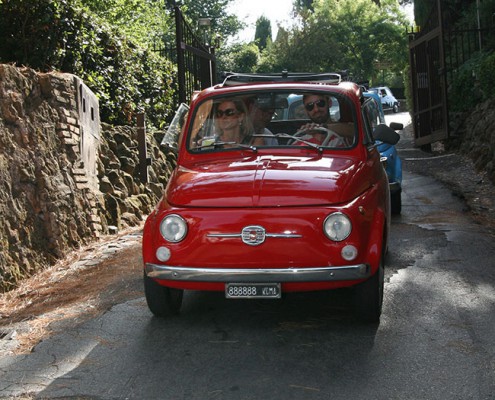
457,172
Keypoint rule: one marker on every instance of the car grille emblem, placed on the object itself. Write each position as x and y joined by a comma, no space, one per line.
253,235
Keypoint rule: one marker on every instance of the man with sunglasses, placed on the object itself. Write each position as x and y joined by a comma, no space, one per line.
317,107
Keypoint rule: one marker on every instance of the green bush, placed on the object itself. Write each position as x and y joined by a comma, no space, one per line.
486,76
472,82
406,75
58,35
29,32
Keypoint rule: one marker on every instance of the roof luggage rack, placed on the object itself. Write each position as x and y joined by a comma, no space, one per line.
234,79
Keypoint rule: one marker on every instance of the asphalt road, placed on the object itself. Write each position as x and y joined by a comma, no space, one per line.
435,340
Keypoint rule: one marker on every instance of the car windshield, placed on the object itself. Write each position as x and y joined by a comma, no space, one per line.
263,120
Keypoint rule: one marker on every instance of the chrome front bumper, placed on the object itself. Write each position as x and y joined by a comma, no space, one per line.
262,275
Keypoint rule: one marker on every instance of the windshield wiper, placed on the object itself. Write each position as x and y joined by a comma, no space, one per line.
245,146
218,144
309,144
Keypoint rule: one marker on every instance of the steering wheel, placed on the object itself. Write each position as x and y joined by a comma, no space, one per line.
317,135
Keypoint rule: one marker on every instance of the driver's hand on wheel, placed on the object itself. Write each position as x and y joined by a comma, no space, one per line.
311,125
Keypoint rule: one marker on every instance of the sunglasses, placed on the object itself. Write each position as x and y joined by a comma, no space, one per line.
319,104
229,112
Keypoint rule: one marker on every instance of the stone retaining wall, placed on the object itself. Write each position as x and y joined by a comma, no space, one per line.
50,202
478,137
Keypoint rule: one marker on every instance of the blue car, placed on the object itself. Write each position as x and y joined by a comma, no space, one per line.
392,161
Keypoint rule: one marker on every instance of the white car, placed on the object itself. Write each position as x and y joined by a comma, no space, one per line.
389,102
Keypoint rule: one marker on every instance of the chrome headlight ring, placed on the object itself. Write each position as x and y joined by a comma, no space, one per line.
173,228
337,226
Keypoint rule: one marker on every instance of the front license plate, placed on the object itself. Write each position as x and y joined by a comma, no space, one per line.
253,291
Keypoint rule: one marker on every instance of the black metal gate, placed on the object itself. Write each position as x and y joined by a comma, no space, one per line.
435,55
195,60
429,85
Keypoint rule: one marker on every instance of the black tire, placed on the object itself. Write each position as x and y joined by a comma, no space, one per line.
162,301
368,297
396,203
396,108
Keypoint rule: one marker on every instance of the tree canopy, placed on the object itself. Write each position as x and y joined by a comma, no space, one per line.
263,33
140,21
354,35
152,21
109,43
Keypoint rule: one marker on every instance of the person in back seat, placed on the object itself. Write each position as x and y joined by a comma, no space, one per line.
260,118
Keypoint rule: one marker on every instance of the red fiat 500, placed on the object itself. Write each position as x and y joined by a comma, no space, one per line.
260,205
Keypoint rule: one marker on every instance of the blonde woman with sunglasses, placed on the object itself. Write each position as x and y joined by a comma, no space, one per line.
232,123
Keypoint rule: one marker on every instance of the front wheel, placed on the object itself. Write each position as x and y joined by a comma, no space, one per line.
162,301
396,203
396,108
368,297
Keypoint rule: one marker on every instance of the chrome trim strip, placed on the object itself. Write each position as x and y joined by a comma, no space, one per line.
272,235
254,275
224,235
283,235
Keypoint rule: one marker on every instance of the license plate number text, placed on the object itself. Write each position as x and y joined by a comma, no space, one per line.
252,290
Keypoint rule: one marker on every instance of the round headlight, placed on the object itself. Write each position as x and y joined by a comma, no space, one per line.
337,227
173,228
349,252
163,254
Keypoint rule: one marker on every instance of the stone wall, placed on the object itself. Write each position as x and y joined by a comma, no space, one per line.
50,201
477,131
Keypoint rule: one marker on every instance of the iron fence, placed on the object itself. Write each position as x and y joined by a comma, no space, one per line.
435,54
195,60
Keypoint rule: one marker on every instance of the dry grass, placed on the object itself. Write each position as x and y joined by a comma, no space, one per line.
82,285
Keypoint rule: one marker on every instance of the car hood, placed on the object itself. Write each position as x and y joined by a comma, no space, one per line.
268,182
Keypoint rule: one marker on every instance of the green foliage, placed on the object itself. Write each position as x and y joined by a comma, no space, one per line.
473,82
223,24
303,5
422,10
406,75
239,58
23,21
152,22
486,76
457,14
56,35
142,22
263,33
354,35
478,15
